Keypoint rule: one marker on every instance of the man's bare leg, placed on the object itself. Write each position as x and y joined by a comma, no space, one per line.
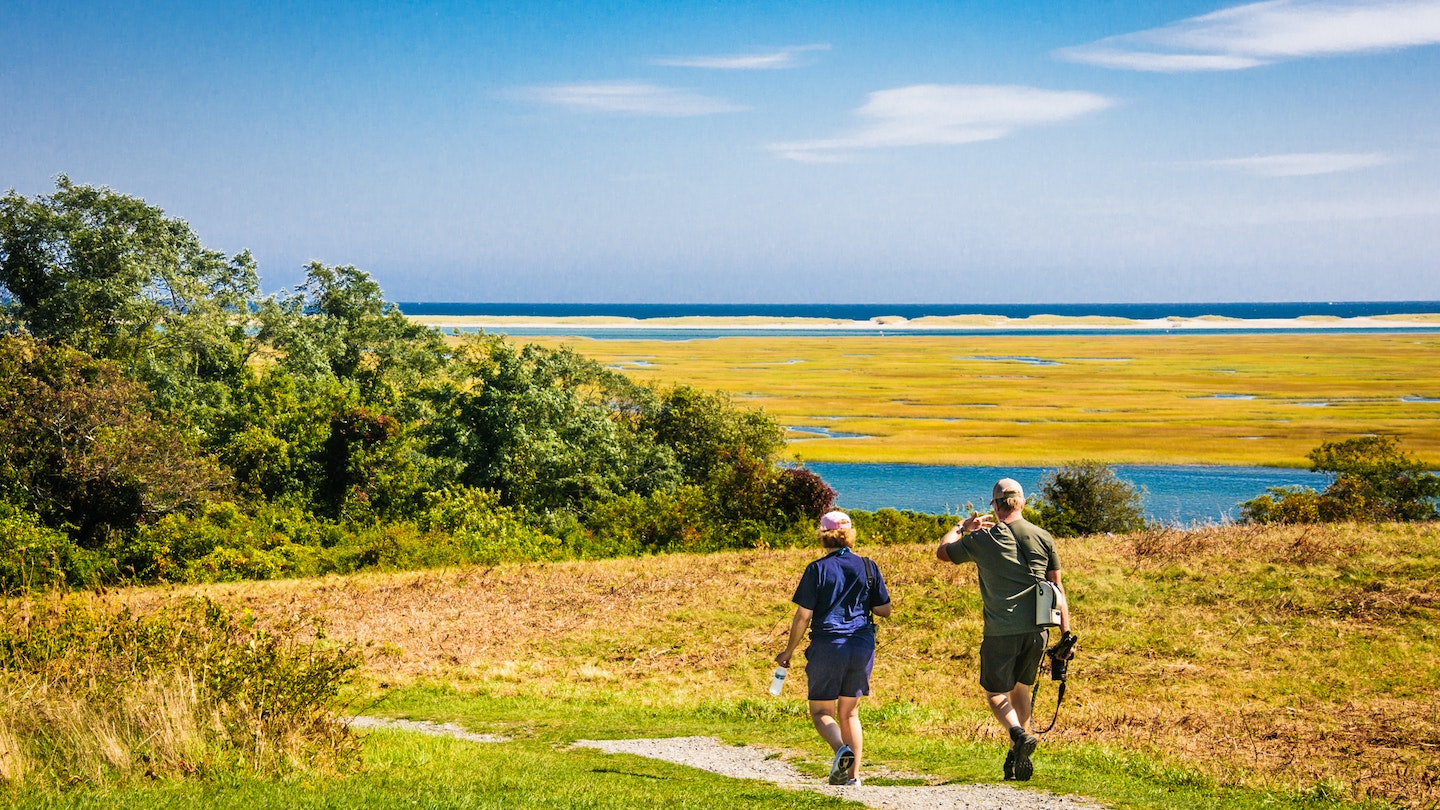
1012,708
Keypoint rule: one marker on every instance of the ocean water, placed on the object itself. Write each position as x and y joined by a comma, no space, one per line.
1174,494
864,312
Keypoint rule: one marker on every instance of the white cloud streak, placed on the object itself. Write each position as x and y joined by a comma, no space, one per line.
1264,33
628,98
944,115
1305,164
773,60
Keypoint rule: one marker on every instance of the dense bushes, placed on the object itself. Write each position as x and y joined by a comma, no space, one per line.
160,421
89,694
1374,481
894,526
81,447
1086,497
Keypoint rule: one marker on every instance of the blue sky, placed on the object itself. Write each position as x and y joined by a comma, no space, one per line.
1087,151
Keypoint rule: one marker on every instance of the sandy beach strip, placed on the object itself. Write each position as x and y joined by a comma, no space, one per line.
897,324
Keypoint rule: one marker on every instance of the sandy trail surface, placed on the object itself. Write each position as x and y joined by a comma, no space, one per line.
746,762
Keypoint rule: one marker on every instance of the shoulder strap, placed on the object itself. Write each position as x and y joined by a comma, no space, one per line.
869,588
1043,562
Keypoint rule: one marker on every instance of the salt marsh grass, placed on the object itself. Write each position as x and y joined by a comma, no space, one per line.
1175,399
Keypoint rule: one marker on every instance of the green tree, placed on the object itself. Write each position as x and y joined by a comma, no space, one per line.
706,430
114,277
1087,497
1374,480
338,324
547,428
273,437
80,448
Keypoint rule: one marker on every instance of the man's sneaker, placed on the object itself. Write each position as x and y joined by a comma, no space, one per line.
853,782
1023,746
840,767
1010,765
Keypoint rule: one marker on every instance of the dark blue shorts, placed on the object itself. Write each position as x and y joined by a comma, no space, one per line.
837,669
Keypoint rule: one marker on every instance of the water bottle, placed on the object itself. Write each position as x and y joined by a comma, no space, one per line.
779,682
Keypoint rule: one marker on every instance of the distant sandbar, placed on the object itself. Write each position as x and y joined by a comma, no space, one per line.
897,324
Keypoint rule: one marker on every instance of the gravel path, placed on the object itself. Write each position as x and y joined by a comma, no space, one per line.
745,762
423,727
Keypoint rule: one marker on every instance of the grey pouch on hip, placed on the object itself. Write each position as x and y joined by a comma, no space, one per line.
1047,605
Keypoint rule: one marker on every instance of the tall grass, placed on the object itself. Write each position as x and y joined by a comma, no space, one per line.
94,693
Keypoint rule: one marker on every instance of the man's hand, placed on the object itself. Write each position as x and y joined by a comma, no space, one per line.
783,659
976,522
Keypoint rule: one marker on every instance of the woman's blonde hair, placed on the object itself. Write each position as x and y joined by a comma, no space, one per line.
837,538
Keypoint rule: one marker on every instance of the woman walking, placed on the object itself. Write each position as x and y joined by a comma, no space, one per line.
837,598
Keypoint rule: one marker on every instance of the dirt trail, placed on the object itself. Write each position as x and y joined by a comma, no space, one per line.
746,762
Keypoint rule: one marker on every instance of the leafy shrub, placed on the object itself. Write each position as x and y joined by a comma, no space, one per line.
89,694
896,527
1283,505
802,493
646,524
35,557
484,531
1374,481
1086,497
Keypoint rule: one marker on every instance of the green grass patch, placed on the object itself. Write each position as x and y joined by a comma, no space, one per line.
405,770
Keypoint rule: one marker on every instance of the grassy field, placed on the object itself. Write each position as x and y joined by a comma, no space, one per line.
1233,666
1263,399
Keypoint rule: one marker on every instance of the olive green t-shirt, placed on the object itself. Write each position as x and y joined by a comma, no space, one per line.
1010,558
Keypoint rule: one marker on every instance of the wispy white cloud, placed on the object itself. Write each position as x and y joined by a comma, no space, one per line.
1340,211
942,114
632,98
1263,33
1305,164
773,60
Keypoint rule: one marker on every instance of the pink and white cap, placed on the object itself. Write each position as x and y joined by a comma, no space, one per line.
830,521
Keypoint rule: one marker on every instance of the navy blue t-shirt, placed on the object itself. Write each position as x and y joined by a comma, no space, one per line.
835,588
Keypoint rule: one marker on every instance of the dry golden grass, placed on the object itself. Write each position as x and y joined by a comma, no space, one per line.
1269,656
154,728
14,764
1141,399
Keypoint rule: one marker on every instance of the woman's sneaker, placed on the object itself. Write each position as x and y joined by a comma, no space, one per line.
840,766
853,782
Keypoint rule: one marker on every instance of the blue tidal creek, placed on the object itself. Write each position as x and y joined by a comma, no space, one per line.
1176,495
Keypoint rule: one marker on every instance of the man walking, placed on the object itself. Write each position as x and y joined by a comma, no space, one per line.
1011,555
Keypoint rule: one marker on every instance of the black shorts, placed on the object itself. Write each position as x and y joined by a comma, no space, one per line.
1009,660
